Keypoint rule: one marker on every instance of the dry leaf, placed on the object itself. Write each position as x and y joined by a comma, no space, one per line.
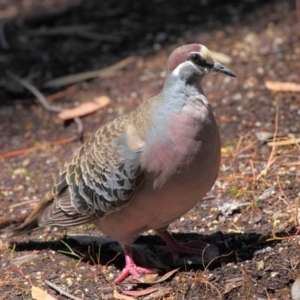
119,296
221,57
84,108
166,276
39,294
142,292
150,277
295,291
277,86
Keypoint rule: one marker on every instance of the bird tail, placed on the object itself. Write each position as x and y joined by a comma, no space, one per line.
32,221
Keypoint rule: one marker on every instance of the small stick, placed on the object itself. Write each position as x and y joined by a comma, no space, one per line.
43,101
102,73
69,91
61,291
26,150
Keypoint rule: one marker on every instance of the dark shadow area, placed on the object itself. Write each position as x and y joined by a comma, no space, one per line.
233,248
95,34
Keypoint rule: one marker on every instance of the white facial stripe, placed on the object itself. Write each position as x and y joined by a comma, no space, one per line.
179,67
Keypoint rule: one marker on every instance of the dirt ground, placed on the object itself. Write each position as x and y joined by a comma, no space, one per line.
251,216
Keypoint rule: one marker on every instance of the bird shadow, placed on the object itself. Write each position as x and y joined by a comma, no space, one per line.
232,248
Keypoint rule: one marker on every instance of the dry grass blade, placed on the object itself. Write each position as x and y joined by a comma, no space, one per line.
102,73
286,142
233,285
292,163
273,151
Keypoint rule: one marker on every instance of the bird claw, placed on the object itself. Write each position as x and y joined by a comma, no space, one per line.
131,268
135,271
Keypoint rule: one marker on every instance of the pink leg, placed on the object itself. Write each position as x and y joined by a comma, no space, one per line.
131,267
175,248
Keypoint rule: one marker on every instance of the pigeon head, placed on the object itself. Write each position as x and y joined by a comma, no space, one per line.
192,61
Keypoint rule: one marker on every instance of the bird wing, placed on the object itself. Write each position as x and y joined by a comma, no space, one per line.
102,177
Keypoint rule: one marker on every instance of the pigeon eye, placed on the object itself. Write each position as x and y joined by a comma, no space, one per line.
197,59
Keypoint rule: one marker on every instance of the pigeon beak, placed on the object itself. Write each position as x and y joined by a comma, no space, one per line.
217,67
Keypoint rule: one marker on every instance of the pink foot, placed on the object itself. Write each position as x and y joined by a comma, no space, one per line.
131,267
175,248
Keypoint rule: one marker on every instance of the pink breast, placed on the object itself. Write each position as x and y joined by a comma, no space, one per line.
176,151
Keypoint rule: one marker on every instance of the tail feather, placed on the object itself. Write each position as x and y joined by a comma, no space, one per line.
32,221
49,212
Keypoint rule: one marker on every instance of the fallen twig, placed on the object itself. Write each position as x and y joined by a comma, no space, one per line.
61,291
40,97
102,73
69,91
43,101
35,148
